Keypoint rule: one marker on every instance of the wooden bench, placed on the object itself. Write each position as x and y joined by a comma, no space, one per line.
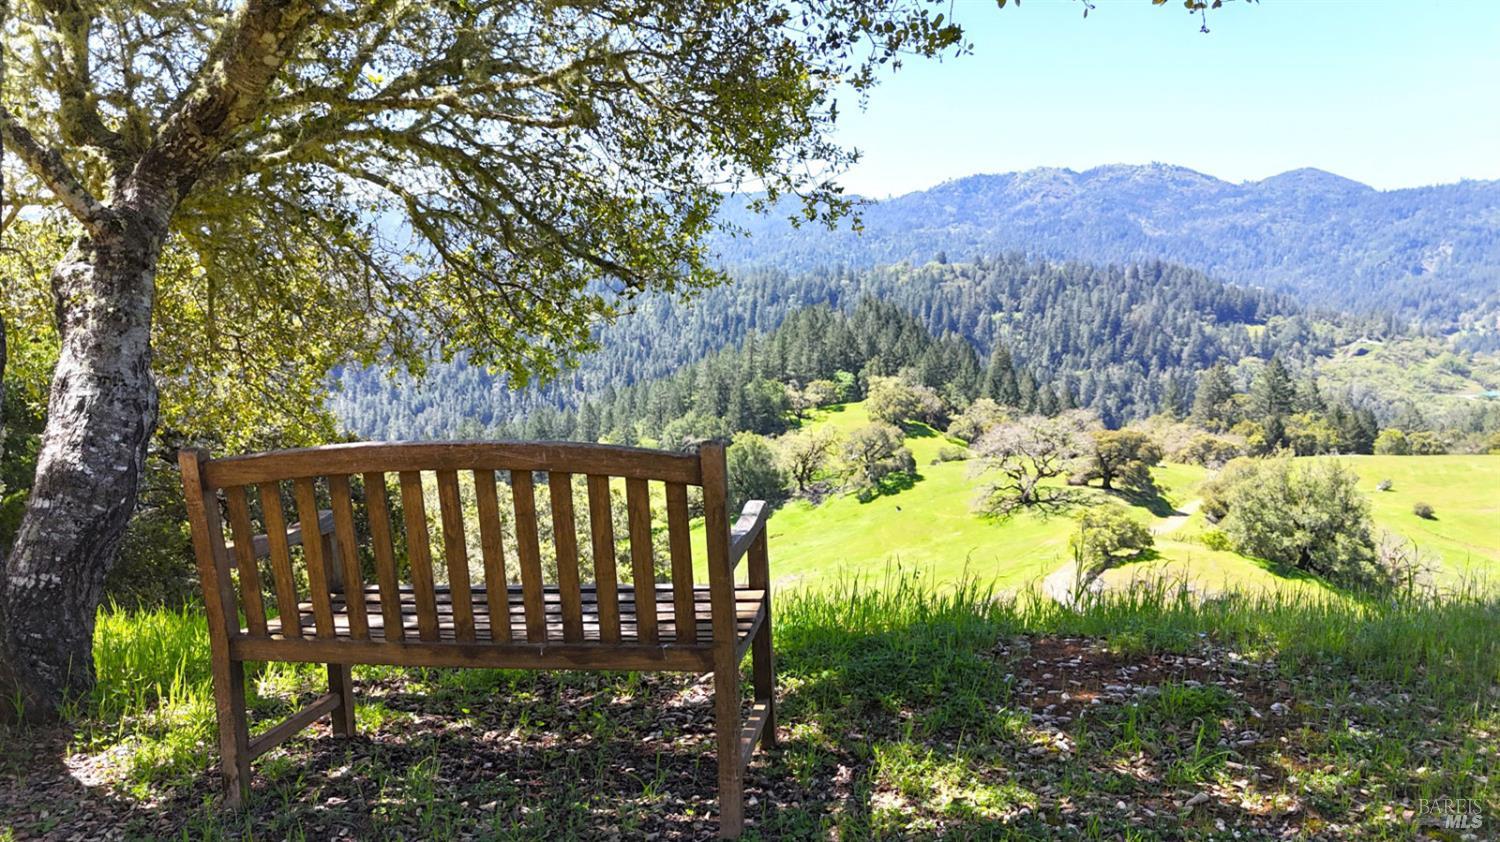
321,607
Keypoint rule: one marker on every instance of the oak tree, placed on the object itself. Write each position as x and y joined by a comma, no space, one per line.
1121,457
489,178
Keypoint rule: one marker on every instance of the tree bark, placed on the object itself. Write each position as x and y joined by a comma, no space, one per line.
100,417
102,409
2,394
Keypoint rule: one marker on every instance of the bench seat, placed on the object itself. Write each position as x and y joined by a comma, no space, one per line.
749,607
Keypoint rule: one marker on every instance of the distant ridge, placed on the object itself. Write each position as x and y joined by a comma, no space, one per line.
1432,252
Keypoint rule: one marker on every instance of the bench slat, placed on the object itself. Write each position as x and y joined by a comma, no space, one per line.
681,547
528,550
638,515
348,546
565,541
419,552
281,557
249,566
557,655
748,605
602,534
312,553
456,553
366,457
488,505
378,507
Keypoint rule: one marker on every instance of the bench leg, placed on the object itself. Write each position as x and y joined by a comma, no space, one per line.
727,723
763,662
234,731
341,681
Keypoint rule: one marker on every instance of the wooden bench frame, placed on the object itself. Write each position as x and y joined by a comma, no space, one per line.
331,560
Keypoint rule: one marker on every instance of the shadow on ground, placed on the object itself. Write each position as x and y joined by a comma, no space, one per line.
899,720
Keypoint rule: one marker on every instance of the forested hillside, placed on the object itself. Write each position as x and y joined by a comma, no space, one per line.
1121,340
1431,252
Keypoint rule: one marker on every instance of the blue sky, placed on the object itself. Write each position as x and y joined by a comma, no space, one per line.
1394,93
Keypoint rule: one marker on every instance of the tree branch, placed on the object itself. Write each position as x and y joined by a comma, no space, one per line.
229,92
54,172
78,118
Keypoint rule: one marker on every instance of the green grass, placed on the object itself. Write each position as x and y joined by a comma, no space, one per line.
906,712
931,531
1464,492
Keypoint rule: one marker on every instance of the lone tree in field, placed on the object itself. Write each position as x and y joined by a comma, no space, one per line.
1121,457
803,455
1016,459
258,190
873,452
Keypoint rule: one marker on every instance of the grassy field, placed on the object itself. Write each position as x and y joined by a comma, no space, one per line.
931,531
1464,492
906,713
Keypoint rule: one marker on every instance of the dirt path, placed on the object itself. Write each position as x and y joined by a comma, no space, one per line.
1177,519
1061,584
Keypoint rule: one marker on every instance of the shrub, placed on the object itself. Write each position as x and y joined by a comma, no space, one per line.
1423,443
1255,436
1216,491
1403,564
1392,442
1423,510
949,453
1306,516
1107,536
753,472
1216,539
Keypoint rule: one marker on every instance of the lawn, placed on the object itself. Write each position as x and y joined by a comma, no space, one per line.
930,528
1464,492
905,713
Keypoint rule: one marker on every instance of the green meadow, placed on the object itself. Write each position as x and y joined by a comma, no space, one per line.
929,528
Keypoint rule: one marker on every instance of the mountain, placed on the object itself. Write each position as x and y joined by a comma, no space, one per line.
1428,252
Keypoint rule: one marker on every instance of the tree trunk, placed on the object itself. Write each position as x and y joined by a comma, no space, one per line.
2,396
100,417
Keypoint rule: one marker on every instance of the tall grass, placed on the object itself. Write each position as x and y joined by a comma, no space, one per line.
891,646
1449,642
147,660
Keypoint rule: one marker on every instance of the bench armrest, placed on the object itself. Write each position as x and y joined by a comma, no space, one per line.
260,545
751,524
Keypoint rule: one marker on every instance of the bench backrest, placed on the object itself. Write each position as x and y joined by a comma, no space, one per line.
487,495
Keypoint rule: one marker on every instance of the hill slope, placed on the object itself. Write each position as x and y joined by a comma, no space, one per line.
1431,251
930,529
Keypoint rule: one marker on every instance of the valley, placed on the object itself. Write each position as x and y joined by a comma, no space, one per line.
929,530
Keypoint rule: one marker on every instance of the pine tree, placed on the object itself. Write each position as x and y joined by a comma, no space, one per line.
999,382
1213,400
1272,398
